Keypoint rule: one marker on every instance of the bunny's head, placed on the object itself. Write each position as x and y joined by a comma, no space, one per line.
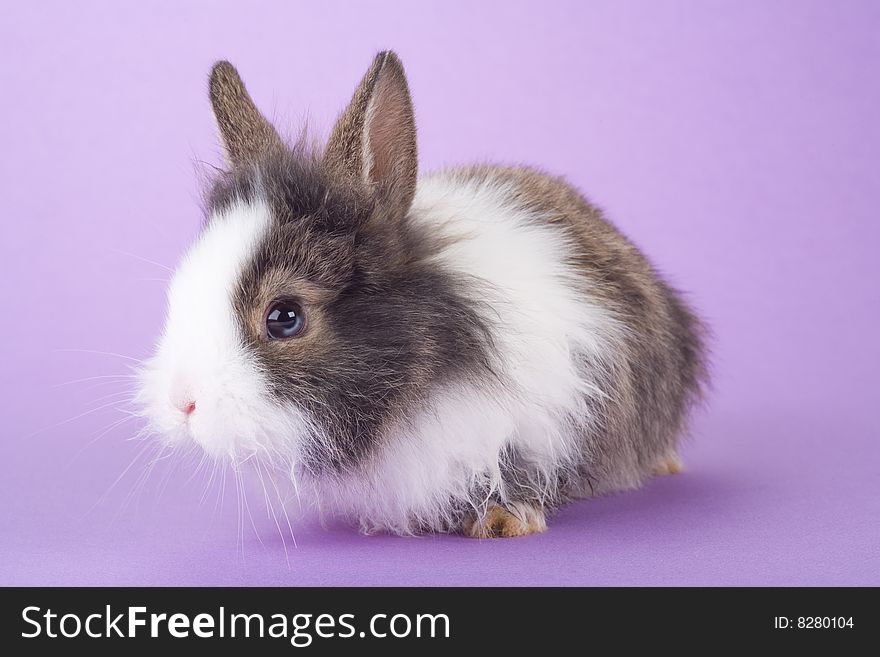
303,321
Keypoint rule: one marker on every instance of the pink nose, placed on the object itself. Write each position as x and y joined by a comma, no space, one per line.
188,408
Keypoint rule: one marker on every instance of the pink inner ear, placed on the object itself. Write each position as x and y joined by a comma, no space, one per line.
387,132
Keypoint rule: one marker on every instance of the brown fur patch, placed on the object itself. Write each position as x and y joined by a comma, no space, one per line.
246,134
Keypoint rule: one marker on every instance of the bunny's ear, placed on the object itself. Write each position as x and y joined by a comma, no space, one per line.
246,134
374,141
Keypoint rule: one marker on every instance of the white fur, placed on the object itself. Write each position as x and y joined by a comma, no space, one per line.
201,358
545,327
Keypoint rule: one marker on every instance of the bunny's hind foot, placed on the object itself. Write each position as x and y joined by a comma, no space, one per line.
518,519
669,465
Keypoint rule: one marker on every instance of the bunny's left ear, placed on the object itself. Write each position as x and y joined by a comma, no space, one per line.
246,133
374,140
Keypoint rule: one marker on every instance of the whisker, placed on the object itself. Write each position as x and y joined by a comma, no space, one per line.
218,505
196,470
248,508
119,393
132,413
143,259
71,419
169,472
100,353
295,483
284,511
138,486
143,450
94,378
91,442
270,508
210,481
240,535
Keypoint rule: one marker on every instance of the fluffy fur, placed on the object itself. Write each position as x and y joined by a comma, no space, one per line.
480,346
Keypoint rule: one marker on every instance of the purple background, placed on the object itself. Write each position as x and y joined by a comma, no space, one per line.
737,143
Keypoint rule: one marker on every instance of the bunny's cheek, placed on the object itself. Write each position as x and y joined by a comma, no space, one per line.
234,416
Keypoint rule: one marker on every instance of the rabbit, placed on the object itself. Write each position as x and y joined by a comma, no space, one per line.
463,352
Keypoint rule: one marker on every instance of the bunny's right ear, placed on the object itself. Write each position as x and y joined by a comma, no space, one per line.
246,133
374,141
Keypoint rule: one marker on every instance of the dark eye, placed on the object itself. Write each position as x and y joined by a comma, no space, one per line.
285,320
